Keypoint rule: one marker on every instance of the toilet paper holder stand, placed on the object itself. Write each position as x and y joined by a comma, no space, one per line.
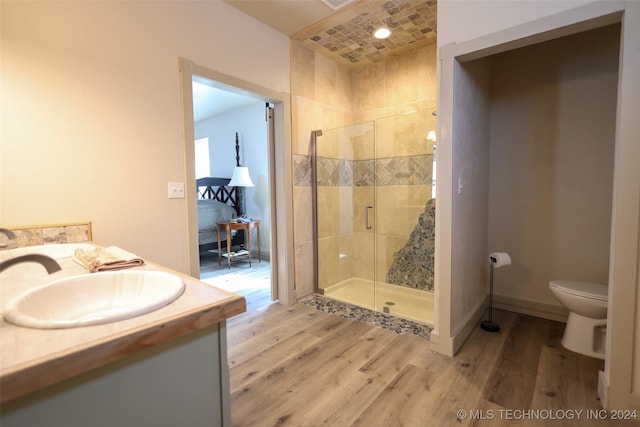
490,325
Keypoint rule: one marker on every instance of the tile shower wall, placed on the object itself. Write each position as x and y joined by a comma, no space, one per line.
396,93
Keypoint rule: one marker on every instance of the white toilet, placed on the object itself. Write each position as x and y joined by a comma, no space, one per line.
587,324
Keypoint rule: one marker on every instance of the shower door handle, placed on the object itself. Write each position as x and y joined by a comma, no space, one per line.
366,217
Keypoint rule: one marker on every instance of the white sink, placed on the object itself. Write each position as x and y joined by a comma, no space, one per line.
91,299
55,251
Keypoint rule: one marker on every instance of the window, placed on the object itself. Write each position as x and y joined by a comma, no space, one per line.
202,158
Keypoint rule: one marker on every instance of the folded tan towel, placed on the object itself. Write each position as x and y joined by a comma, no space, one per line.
104,259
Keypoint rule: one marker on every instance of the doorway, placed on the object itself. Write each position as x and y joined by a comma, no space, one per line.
273,191
231,136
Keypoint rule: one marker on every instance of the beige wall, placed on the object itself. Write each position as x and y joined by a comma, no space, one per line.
553,112
91,121
325,95
470,176
462,20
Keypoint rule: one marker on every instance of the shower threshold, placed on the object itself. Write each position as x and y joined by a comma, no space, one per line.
401,301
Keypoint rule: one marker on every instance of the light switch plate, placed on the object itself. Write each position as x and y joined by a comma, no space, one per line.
176,190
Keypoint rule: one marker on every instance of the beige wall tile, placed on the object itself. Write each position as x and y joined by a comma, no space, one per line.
385,136
328,261
401,79
368,87
363,255
326,82
386,247
410,134
344,83
346,145
345,209
345,256
329,142
328,211
404,134
302,71
363,196
426,73
304,276
302,216
333,118
398,208
307,116
363,140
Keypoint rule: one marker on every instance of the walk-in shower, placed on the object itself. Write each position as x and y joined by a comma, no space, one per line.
374,214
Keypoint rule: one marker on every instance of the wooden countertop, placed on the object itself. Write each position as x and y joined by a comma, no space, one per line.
31,359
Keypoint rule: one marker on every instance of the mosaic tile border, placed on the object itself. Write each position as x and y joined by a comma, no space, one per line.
302,170
408,170
381,320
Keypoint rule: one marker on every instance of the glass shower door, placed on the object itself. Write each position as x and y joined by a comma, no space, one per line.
345,214
405,215
375,214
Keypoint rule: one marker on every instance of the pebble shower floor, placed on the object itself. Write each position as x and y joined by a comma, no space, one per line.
372,318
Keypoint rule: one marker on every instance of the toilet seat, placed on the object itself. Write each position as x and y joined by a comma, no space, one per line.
590,290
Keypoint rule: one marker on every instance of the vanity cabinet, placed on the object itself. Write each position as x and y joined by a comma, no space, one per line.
165,368
183,382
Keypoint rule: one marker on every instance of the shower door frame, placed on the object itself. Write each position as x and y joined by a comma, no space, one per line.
314,196
403,177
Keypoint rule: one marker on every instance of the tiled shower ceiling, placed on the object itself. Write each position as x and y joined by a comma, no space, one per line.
347,36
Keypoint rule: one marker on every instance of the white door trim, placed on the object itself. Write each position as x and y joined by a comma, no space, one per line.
282,253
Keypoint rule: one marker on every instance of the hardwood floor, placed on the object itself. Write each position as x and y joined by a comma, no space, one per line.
298,366
253,283
301,367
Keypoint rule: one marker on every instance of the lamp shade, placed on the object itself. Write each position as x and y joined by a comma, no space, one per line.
240,177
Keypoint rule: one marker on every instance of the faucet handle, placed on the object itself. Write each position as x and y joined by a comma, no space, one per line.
12,241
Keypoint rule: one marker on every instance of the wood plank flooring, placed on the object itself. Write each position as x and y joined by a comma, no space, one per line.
253,283
297,366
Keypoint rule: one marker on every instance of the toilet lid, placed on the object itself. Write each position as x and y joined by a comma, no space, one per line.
583,289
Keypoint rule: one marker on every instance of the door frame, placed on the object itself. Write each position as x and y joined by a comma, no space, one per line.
615,383
280,170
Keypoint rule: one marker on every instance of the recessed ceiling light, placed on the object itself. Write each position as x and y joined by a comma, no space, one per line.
382,33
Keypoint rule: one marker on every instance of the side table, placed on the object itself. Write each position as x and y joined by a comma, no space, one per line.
248,225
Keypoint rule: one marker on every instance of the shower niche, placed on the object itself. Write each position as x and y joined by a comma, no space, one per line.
374,214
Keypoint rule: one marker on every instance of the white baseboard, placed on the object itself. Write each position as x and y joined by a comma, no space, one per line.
439,345
467,326
449,346
531,308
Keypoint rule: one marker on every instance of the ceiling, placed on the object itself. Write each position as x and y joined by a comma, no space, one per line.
209,100
346,34
286,16
339,29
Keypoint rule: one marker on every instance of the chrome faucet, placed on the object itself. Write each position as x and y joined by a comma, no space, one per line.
12,241
48,263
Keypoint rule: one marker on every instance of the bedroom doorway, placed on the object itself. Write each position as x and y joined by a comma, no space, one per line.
244,134
234,129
